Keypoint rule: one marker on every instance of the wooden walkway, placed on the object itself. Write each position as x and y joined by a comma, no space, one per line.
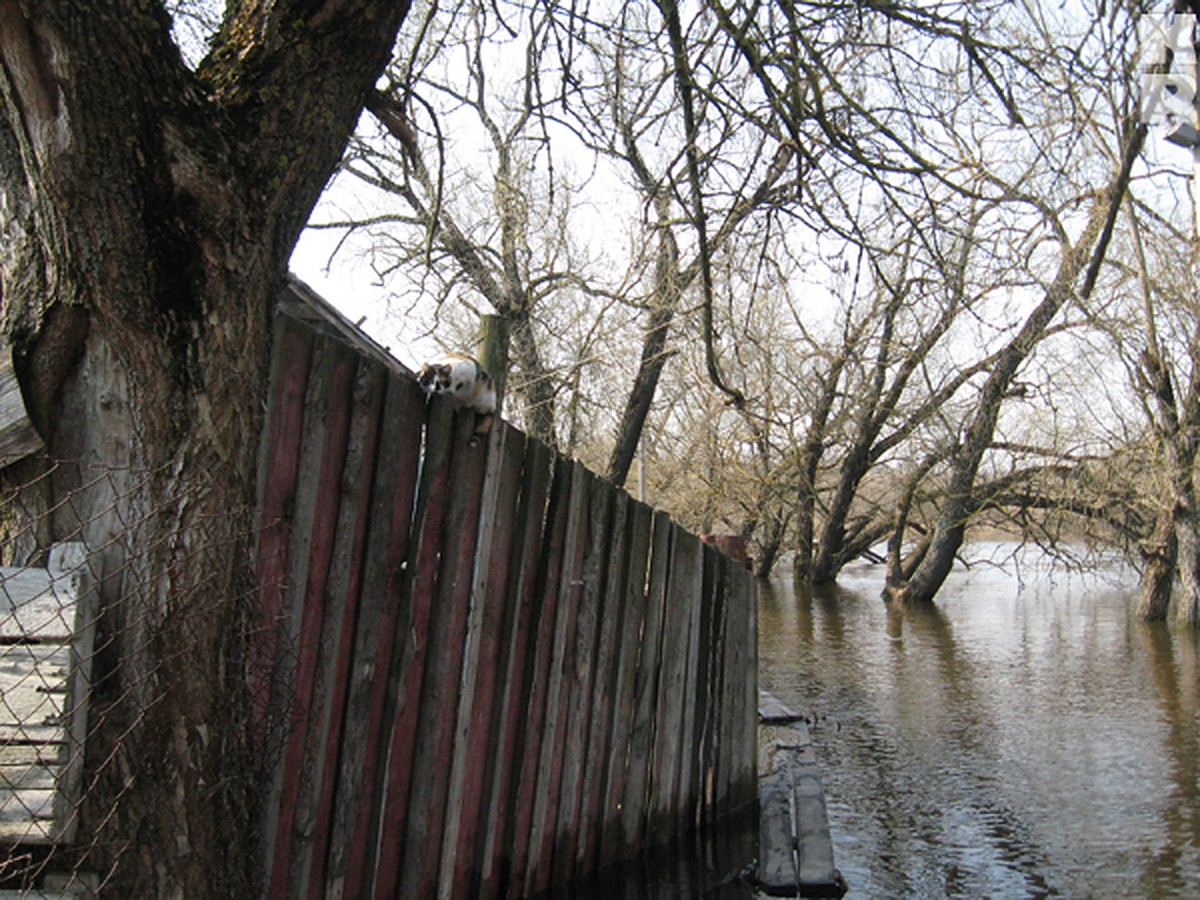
795,847
46,636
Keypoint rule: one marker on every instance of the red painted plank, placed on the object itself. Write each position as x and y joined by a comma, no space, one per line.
443,678
382,618
357,484
409,654
278,474
476,749
335,383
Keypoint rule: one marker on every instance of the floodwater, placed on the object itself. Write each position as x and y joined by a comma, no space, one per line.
1023,737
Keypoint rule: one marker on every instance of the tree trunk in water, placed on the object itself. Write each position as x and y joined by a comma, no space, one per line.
1187,611
1082,259
152,214
1158,578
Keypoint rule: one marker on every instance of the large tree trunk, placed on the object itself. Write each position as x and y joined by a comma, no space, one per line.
152,212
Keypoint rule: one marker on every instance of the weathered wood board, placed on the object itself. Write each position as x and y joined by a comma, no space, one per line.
795,855
773,711
18,438
46,633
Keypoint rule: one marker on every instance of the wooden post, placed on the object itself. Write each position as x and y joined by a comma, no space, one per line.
492,353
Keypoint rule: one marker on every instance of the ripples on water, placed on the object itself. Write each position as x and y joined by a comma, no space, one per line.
1023,737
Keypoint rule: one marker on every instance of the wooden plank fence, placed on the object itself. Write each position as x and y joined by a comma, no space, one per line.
484,671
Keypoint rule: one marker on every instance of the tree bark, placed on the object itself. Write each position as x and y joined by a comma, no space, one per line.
156,213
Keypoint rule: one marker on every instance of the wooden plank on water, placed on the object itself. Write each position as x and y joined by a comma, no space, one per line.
773,711
381,626
778,867
795,848
523,604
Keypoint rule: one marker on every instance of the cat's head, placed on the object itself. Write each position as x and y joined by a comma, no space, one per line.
435,378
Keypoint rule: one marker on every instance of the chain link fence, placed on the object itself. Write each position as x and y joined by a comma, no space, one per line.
110,703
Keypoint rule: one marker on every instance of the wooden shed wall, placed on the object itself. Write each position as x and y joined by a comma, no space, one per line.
483,669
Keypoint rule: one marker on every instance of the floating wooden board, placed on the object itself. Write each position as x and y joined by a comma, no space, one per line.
795,848
773,711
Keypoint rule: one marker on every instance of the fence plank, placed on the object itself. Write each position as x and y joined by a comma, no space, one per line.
479,716
338,631
447,647
567,828
674,691
708,630
542,652
409,654
633,609
638,776
559,697
743,611
279,471
327,421
382,617
523,614
616,565
289,691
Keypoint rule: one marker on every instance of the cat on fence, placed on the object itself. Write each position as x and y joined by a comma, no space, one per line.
464,379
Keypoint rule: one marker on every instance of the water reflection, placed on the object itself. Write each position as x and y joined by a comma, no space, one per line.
1023,737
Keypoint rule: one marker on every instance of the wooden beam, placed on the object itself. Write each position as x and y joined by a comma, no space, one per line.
18,437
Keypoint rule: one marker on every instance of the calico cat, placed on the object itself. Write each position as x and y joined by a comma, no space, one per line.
464,379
